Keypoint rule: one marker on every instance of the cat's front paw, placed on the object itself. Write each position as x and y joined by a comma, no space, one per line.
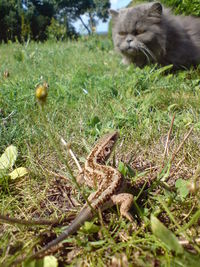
126,61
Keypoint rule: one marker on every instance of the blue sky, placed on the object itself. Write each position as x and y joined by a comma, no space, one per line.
102,27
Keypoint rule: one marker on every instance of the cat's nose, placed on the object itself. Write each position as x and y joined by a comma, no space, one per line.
129,39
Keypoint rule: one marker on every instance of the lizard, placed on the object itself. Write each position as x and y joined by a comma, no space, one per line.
109,184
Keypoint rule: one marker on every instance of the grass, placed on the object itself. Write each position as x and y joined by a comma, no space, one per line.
90,93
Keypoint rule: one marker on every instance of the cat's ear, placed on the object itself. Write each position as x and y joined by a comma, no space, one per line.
155,10
113,13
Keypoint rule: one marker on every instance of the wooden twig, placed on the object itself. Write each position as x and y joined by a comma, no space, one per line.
168,138
72,154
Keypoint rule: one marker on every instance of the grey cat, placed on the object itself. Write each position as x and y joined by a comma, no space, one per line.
150,33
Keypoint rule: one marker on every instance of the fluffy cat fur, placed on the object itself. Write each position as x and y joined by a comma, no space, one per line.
150,33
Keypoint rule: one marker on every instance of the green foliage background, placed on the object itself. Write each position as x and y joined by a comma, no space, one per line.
186,7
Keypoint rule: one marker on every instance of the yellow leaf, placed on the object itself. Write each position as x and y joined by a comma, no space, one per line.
19,172
8,158
50,261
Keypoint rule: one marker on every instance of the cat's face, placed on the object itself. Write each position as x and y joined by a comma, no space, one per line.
136,31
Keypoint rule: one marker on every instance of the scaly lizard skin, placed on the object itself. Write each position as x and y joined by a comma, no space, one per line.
107,181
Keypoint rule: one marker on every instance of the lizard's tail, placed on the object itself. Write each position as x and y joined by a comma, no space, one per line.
83,216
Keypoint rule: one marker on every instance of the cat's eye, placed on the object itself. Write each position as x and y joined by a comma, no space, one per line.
139,31
122,33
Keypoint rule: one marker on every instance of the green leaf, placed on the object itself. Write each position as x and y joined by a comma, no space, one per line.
33,263
161,70
165,235
95,120
184,191
8,158
48,261
166,172
29,264
179,183
182,188
125,169
17,173
122,168
131,171
90,228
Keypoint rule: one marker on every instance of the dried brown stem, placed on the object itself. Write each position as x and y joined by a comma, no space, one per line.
168,138
181,144
177,166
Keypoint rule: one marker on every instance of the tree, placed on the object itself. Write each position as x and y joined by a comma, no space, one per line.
38,13
95,9
21,18
32,18
10,20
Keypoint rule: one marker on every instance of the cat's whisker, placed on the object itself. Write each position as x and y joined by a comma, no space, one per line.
149,52
144,52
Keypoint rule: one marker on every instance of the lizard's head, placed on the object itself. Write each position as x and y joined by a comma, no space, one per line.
106,144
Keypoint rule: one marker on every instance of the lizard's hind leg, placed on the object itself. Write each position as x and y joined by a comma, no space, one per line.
125,201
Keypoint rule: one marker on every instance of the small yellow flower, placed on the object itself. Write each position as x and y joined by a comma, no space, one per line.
41,92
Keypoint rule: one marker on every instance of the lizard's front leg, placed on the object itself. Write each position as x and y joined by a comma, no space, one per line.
125,201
